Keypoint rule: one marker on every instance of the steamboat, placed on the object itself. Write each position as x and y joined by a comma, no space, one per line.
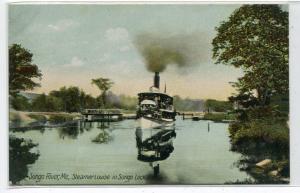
155,108
156,132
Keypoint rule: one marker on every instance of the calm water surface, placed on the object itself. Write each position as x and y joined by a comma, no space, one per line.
200,156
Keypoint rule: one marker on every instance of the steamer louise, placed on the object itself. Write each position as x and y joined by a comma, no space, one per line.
156,120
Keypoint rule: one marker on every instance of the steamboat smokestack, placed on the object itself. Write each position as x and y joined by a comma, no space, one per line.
156,80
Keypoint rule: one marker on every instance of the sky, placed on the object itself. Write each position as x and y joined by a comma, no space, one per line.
72,44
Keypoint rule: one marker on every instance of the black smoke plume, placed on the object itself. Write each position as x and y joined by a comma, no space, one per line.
159,51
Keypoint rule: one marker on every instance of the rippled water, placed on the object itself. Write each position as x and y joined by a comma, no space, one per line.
69,155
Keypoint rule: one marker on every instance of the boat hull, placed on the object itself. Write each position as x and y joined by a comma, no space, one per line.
151,123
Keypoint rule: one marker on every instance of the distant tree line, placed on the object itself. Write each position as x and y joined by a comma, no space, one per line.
181,104
72,99
22,77
187,104
218,106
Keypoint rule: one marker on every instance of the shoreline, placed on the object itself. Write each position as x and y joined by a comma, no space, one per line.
25,119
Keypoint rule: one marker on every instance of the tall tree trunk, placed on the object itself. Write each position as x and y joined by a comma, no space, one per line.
263,96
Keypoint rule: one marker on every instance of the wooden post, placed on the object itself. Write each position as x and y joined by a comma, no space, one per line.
208,126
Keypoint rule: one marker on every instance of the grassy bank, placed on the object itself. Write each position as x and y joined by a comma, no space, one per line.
24,119
262,134
219,117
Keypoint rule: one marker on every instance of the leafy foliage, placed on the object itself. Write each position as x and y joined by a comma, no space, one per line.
255,38
21,70
218,106
104,84
46,103
19,158
72,98
19,102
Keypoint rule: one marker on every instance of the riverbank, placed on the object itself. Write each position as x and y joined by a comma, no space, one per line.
219,117
261,135
20,119
23,119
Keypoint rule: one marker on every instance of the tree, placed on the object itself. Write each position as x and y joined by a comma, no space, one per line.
21,70
71,98
104,84
62,94
255,39
89,102
54,104
39,103
218,106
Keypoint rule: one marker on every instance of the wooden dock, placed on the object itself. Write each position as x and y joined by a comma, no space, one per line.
191,115
102,115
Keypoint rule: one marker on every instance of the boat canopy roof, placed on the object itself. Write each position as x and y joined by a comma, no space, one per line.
148,102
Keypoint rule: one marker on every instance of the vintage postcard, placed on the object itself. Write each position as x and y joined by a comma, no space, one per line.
143,94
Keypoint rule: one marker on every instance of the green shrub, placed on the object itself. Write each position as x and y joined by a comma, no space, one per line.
214,117
20,103
261,137
20,156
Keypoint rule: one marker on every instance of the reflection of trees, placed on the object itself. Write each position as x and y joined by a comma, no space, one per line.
103,125
29,128
86,126
19,158
71,131
103,137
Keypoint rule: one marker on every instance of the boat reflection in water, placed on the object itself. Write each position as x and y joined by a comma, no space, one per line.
156,118
154,145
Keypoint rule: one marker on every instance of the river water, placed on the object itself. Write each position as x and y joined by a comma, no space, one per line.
201,155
